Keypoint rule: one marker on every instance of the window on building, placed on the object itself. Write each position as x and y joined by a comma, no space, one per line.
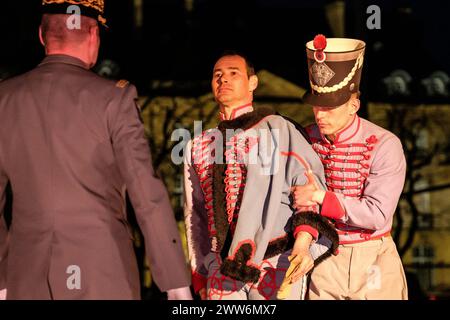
423,257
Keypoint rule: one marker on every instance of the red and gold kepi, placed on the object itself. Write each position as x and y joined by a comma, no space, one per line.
90,8
334,67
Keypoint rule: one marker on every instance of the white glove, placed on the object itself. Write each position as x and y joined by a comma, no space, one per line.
3,294
183,293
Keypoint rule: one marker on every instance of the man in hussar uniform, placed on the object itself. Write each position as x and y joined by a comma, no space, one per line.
365,173
71,144
243,235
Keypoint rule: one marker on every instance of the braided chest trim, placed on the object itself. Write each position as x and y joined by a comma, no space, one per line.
347,165
223,184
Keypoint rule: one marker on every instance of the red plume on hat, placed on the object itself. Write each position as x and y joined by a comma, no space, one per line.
320,43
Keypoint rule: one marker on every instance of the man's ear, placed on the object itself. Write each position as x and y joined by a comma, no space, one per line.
253,82
355,103
94,34
40,36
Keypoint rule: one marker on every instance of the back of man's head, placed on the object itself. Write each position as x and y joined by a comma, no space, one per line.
58,34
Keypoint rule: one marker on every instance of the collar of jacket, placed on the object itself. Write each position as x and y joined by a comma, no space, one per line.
64,59
245,121
237,112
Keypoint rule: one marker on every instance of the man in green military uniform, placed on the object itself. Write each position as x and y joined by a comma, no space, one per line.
71,144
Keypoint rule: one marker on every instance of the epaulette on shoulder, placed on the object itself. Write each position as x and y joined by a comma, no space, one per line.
122,83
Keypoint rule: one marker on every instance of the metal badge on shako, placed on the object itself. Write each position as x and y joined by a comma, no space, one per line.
321,73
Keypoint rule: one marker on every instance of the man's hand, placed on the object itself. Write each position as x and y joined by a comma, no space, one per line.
301,263
301,257
183,293
3,294
307,195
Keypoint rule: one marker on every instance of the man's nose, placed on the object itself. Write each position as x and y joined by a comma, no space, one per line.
319,114
223,79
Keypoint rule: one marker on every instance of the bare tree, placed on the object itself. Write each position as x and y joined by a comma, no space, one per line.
408,123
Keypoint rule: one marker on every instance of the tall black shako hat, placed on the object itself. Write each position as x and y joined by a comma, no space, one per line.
90,8
334,67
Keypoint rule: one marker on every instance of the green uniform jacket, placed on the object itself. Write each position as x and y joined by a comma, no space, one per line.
71,145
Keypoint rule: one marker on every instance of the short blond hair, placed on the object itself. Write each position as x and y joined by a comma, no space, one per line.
55,31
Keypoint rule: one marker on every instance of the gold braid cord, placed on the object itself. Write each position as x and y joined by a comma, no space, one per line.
98,5
343,83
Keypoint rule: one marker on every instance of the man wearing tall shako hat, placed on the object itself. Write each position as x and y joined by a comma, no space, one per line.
71,144
365,173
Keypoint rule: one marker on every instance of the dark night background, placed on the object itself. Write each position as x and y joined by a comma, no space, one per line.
177,43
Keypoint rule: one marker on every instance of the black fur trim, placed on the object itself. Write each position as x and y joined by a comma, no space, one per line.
238,269
279,246
219,204
321,224
243,122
